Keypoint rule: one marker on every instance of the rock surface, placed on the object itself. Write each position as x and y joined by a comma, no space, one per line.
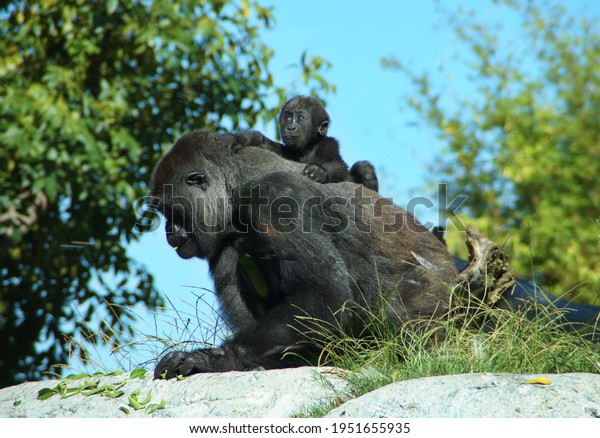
481,395
252,394
281,393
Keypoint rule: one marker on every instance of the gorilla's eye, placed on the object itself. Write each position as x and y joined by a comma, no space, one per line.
196,179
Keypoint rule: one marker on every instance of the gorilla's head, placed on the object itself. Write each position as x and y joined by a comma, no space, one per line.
190,188
303,121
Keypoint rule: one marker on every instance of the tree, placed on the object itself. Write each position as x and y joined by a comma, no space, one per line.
91,92
524,146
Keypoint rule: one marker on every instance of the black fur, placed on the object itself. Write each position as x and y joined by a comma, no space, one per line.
282,248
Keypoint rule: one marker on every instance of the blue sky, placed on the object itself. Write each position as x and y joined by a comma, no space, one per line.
369,113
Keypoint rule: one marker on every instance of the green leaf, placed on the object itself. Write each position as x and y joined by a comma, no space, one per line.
147,399
61,388
46,393
77,376
94,391
111,6
113,393
134,403
69,392
155,406
89,384
138,373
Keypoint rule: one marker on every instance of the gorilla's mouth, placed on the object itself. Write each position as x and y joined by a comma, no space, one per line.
182,248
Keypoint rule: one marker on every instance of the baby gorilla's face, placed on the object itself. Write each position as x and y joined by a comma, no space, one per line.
303,121
296,128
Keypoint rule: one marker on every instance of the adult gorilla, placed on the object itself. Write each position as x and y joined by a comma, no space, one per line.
289,255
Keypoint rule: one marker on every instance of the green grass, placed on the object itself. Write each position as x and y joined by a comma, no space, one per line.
530,340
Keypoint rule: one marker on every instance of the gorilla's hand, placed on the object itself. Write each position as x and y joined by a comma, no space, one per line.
316,173
180,363
232,142
239,140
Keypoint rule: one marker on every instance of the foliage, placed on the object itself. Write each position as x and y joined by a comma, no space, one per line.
91,92
523,141
91,385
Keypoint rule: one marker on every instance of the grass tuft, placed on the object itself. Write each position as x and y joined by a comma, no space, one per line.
468,339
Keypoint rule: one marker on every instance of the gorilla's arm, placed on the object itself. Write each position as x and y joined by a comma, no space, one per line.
224,272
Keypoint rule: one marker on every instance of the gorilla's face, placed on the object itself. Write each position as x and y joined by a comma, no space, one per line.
296,128
302,122
191,193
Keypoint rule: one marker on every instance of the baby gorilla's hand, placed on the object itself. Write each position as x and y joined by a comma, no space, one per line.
316,173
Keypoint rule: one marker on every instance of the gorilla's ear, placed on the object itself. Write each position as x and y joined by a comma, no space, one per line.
196,179
323,127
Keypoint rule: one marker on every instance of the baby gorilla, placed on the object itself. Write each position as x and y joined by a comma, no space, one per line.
303,124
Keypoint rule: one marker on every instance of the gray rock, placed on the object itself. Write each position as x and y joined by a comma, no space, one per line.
280,393
480,395
275,393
